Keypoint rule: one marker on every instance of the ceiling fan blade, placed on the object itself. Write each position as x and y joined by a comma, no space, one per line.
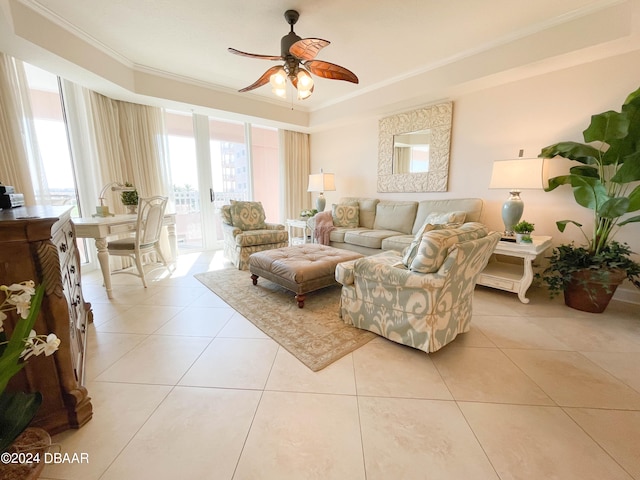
308,48
254,55
331,71
263,80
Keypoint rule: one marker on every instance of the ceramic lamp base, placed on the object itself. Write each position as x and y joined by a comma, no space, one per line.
321,202
512,211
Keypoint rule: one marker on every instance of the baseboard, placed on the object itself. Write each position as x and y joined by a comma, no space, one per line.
628,295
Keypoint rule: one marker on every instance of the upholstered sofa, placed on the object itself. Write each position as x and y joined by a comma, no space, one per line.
245,231
371,225
422,297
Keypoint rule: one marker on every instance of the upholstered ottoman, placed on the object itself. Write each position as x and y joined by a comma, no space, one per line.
299,268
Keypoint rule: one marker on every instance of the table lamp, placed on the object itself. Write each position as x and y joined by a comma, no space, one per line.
515,175
321,182
102,210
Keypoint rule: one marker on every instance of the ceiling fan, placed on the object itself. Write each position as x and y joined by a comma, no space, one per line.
297,53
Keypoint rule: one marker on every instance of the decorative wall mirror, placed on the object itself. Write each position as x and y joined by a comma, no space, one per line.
413,150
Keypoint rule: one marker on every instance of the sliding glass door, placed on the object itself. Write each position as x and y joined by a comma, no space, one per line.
214,161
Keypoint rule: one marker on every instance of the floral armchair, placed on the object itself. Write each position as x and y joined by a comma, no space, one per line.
245,231
422,298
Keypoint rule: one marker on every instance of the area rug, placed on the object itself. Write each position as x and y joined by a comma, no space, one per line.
314,334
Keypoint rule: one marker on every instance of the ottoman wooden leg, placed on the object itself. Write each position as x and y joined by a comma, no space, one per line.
300,299
254,278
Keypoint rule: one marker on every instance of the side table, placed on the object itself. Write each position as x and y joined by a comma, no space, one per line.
293,223
514,277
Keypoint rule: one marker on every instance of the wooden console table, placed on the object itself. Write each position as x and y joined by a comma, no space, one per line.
514,277
38,243
99,228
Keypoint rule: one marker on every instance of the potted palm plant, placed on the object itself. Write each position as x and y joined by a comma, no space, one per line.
602,180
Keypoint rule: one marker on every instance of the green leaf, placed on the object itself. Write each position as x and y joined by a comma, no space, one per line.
614,207
629,171
606,126
562,224
634,200
573,151
633,98
630,220
16,412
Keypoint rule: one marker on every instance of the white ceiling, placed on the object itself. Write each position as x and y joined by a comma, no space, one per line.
384,42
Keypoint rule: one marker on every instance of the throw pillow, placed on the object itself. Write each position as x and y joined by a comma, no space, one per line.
439,218
248,216
345,215
411,251
435,245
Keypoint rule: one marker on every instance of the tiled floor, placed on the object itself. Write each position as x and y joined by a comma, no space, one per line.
184,387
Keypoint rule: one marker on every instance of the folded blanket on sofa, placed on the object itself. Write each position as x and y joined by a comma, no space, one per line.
324,226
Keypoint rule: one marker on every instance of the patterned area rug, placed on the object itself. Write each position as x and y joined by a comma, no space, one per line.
314,334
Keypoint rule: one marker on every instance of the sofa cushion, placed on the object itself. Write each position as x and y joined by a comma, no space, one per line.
397,243
472,207
368,238
395,216
248,215
345,215
261,237
435,244
441,218
367,209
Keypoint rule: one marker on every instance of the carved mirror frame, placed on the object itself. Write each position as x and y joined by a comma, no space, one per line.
436,118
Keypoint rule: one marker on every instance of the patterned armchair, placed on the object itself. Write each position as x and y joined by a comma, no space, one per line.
245,232
421,298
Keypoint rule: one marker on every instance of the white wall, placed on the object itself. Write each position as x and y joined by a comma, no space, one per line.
493,124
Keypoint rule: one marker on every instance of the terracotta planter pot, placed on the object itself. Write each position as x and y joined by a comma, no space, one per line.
591,290
30,442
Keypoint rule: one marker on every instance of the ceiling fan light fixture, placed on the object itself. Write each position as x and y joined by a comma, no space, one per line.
280,92
279,79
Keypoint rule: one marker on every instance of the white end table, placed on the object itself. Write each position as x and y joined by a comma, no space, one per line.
297,223
514,277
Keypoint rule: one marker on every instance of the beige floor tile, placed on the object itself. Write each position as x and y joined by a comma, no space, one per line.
618,432
240,327
103,312
517,332
475,337
416,439
196,433
489,301
486,375
158,360
119,410
572,380
197,322
290,375
177,296
387,369
144,319
107,348
535,442
625,366
593,333
209,299
303,436
233,363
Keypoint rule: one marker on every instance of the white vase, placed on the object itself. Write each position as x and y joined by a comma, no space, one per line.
523,238
131,209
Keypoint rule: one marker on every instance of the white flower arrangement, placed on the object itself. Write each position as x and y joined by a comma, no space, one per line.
18,296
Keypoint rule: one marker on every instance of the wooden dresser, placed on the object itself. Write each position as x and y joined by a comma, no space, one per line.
38,243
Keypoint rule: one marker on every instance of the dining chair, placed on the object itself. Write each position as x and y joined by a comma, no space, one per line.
146,238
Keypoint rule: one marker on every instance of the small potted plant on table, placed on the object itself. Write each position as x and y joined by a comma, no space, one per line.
130,198
523,231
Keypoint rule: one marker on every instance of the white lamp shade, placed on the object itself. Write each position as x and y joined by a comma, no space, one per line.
321,182
517,174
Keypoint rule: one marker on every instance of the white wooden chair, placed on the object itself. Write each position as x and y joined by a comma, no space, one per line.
146,239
